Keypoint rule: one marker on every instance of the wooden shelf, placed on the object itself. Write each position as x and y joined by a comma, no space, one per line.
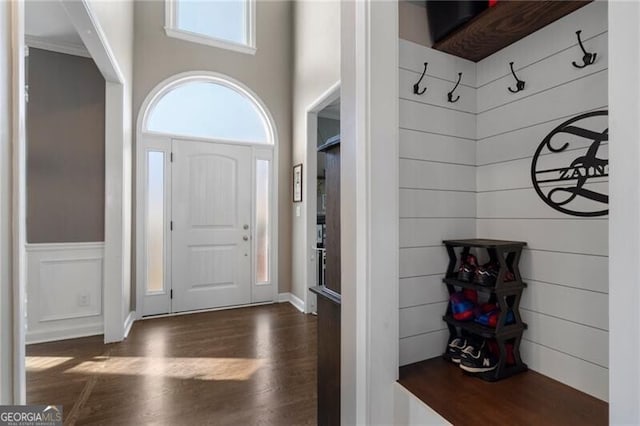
484,243
503,24
511,330
508,287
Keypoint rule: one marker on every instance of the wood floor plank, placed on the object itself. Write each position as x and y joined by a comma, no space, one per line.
243,366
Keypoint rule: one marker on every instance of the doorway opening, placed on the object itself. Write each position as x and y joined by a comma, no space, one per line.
206,204
323,124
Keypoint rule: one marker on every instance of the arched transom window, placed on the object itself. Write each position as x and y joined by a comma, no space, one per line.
211,108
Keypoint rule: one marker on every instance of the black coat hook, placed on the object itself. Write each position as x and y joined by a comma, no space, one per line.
519,83
588,58
450,94
416,87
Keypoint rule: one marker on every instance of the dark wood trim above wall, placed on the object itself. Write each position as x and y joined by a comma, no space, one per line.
504,24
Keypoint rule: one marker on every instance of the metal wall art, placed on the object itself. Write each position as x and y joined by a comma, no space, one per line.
581,187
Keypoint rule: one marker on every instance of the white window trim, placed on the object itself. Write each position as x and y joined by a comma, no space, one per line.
171,29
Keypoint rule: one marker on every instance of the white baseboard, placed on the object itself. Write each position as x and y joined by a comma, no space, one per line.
42,336
293,299
128,323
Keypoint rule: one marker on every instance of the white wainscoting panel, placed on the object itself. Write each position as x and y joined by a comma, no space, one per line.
64,290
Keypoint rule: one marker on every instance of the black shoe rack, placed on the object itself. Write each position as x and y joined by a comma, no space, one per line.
506,294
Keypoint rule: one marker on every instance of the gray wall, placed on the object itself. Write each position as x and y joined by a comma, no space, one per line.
412,23
268,73
65,149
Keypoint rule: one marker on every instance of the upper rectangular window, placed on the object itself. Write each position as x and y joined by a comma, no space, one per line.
228,24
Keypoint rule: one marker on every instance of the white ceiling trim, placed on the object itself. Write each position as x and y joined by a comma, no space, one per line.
56,46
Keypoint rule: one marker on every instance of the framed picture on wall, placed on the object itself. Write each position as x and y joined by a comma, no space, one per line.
297,183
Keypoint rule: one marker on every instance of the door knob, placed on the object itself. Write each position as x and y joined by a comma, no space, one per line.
245,238
245,227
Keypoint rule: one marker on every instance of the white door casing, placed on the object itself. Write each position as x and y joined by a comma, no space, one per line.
159,302
211,236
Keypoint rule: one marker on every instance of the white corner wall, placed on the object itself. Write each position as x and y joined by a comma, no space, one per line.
115,20
6,256
437,189
487,192
624,223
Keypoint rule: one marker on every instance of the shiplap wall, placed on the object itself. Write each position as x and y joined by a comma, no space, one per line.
565,262
437,190
458,180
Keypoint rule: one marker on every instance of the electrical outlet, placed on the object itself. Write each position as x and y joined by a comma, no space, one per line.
84,300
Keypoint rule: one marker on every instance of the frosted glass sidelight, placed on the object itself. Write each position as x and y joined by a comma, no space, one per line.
262,222
155,221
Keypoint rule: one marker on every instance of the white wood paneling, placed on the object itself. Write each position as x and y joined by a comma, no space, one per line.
544,75
518,143
525,203
556,37
585,93
557,235
422,319
582,375
423,346
433,119
433,203
447,149
573,270
442,65
587,343
431,232
416,291
437,89
421,174
420,261
581,306
565,262
517,173
64,290
437,190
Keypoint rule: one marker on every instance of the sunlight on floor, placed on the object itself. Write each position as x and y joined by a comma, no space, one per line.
239,369
43,363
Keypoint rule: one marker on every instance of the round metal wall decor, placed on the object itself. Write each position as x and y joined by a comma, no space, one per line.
570,168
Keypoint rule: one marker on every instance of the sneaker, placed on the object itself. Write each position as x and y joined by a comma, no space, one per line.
467,269
490,319
455,349
487,274
478,360
461,307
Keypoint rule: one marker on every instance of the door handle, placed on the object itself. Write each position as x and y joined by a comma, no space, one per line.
245,238
245,227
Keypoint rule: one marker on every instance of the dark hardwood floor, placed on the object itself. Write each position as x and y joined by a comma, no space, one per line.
525,399
244,366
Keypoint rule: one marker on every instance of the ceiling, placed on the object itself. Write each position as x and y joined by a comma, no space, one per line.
331,111
48,21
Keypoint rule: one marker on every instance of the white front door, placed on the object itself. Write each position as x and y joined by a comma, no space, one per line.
211,236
